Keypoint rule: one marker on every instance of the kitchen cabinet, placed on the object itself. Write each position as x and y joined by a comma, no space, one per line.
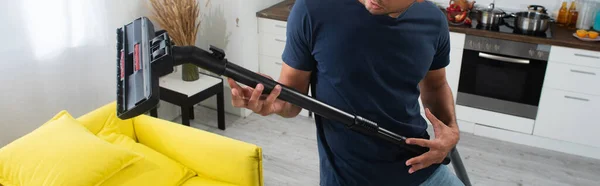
270,65
457,41
271,26
568,116
570,98
575,56
573,78
500,121
271,44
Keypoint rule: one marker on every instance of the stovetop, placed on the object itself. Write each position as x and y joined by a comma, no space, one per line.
508,27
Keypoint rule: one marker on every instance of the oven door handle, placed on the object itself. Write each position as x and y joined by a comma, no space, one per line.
502,58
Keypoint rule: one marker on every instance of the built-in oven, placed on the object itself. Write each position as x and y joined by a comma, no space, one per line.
500,80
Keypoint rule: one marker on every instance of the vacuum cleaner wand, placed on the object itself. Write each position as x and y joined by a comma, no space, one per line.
144,55
217,63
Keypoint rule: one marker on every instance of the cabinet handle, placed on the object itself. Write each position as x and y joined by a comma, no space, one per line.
280,26
588,56
583,72
278,63
576,98
280,40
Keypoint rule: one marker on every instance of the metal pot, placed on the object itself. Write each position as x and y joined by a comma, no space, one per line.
490,16
532,21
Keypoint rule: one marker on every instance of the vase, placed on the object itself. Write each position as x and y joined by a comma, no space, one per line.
189,72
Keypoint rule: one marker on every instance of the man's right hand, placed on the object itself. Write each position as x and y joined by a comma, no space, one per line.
252,98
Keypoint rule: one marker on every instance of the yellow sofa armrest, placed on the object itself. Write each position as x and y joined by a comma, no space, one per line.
210,155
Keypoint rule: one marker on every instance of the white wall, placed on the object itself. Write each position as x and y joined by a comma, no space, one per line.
232,25
57,55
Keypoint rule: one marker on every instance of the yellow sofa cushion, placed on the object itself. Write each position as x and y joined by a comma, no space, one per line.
104,121
199,181
61,152
153,169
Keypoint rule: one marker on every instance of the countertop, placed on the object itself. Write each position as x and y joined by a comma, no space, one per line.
560,36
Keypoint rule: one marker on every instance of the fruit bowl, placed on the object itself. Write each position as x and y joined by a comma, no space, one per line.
457,18
457,12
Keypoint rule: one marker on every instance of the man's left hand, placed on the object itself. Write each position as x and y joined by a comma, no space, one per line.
445,140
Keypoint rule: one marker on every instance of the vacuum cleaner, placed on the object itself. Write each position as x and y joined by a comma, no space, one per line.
144,55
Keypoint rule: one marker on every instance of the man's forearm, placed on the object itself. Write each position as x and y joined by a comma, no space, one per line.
441,103
289,110
296,79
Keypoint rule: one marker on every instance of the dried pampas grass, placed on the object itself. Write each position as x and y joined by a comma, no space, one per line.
180,18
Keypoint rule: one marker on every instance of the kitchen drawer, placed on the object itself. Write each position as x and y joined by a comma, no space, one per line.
575,56
573,78
271,44
271,26
495,119
568,116
457,40
270,66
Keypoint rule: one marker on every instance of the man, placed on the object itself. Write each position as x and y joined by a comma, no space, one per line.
373,58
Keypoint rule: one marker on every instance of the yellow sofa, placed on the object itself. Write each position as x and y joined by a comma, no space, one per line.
141,146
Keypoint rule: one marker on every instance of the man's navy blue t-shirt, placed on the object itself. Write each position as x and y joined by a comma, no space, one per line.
368,65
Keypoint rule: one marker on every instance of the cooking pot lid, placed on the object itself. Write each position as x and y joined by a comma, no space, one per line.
492,9
495,11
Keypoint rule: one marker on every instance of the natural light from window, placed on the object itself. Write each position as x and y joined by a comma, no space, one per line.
55,25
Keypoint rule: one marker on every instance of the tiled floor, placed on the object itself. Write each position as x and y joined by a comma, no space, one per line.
290,154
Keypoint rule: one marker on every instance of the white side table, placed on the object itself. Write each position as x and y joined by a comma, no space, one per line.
186,94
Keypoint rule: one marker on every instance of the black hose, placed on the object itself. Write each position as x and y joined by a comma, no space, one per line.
459,167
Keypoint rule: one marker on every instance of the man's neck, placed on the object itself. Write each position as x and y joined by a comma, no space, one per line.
395,15
398,13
